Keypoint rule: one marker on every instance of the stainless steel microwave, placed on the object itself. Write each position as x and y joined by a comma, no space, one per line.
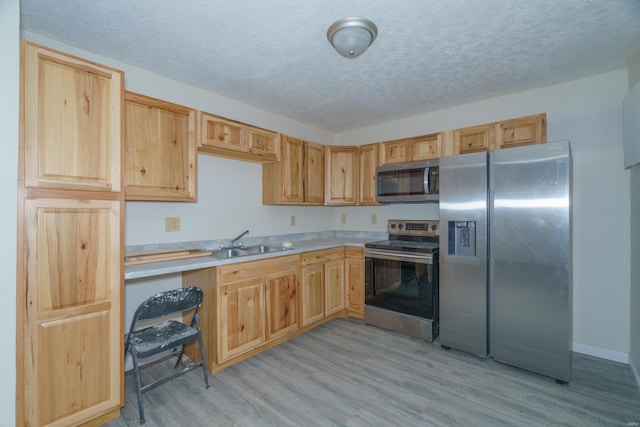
408,182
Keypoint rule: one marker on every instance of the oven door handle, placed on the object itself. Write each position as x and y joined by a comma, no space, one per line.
419,259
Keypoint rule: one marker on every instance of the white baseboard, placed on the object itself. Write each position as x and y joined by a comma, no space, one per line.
602,353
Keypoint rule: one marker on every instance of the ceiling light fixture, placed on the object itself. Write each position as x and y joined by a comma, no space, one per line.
352,36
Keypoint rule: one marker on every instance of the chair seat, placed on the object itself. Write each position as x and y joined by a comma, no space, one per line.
161,337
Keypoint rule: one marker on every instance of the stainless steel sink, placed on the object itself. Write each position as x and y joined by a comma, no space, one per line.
241,251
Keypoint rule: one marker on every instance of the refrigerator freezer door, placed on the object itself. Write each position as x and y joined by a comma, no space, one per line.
463,252
530,249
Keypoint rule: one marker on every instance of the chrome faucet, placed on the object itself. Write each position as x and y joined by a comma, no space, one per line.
239,237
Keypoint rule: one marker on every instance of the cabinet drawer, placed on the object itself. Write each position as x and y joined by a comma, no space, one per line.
323,256
245,270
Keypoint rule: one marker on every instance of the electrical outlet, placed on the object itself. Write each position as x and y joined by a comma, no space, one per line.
293,220
343,218
172,223
374,219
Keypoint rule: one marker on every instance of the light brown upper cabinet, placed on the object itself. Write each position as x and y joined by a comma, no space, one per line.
426,147
342,175
298,178
395,151
507,133
70,241
72,122
415,149
522,131
368,159
160,150
474,139
227,138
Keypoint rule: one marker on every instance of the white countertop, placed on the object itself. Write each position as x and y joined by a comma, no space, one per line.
176,266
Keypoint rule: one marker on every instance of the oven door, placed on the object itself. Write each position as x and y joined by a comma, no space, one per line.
402,282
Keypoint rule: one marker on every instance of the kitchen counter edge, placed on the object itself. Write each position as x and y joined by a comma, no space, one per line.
177,266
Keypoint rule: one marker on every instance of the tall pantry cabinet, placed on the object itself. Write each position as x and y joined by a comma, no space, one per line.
70,241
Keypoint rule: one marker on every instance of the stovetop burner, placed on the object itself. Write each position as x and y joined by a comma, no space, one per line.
418,236
405,246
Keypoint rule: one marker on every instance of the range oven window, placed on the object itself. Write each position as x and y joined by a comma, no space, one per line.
403,286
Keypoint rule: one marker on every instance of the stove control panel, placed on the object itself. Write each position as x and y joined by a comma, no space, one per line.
414,227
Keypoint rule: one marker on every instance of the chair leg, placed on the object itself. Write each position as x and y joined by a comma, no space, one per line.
204,361
179,356
136,371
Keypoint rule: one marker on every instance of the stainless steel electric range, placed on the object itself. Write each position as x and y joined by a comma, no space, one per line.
401,279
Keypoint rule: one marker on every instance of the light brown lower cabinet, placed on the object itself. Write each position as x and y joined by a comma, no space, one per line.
283,308
322,284
240,319
253,305
246,305
334,286
312,294
72,323
354,280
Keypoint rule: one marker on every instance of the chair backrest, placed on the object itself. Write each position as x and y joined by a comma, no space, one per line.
169,302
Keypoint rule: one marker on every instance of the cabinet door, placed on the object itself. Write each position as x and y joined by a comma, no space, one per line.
522,131
334,286
240,317
474,139
312,294
221,133
292,159
72,122
395,152
354,279
314,173
282,304
72,323
262,142
160,150
368,159
342,175
427,147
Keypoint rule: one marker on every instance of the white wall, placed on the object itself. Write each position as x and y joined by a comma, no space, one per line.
634,355
9,84
588,112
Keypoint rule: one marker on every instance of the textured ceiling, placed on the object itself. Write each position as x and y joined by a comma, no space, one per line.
274,55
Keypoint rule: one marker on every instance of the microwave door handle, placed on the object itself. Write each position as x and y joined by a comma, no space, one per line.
426,180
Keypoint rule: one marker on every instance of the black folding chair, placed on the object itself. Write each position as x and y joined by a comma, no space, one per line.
164,335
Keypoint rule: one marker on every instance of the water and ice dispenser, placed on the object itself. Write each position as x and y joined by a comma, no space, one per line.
462,238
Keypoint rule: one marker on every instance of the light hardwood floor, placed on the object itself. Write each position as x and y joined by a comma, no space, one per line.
345,373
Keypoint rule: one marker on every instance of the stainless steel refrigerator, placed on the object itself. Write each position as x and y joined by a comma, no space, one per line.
505,256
